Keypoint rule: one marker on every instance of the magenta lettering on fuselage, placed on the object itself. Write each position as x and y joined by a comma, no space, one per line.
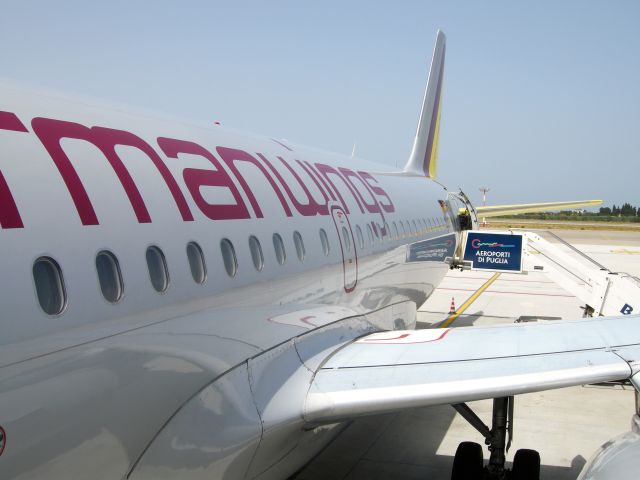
360,190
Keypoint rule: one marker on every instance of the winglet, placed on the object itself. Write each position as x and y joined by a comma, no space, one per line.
423,159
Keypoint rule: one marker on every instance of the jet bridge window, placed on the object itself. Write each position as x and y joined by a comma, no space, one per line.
49,285
324,240
278,246
297,240
109,276
196,263
256,252
158,272
229,257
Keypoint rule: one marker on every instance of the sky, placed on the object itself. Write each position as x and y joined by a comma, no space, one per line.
541,99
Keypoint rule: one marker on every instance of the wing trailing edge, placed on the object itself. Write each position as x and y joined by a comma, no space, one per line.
423,158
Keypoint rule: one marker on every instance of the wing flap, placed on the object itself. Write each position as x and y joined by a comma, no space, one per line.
395,370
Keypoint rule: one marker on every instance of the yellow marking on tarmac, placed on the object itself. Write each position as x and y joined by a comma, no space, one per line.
626,251
449,320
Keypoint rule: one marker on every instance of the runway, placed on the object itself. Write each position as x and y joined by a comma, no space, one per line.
566,426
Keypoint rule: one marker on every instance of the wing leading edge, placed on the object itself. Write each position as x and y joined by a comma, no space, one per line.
389,371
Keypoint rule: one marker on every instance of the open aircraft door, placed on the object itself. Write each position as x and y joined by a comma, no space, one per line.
347,247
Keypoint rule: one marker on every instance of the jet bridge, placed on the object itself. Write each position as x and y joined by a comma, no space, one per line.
604,293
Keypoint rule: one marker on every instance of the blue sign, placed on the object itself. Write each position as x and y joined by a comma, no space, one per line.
494,251
432,250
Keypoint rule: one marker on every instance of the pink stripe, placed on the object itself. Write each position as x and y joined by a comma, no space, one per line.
10,121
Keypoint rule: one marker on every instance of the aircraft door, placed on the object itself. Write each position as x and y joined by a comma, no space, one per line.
347,247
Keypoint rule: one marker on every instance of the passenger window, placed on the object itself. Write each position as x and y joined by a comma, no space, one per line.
256,252
196,263
370,234
297,240
278,246
157,265
49,285
346,239
324,240
109,276
229,257
360,237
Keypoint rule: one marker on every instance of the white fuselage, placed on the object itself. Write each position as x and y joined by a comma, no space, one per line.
195,379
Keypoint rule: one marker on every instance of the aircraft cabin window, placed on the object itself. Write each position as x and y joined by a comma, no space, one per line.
360,237
229,257
158,272
395,230
324,240
256,253
196,263
278,246
109,276
370,234
49,285
346,239
387,231
297,240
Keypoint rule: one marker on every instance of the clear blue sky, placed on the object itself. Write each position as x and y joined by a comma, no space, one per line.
541,99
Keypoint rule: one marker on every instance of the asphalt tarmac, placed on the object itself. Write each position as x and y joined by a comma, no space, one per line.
566,426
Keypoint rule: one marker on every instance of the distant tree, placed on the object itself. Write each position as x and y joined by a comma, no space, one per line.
605,211
615,210
627,210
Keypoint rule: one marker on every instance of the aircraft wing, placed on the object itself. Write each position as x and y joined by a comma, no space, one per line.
498,210
388,371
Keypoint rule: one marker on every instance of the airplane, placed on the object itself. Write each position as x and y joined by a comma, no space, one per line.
188,301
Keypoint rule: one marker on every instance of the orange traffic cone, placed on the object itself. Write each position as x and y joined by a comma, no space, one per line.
452,309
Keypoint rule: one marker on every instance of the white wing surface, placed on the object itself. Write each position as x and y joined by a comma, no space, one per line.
389,371
501,210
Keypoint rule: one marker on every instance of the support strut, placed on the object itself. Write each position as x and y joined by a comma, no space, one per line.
498,438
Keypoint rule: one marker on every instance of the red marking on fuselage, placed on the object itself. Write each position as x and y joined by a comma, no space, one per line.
392,340
333,183
9,215
51,132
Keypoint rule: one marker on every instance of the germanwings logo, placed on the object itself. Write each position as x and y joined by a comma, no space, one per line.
475,243
333,183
